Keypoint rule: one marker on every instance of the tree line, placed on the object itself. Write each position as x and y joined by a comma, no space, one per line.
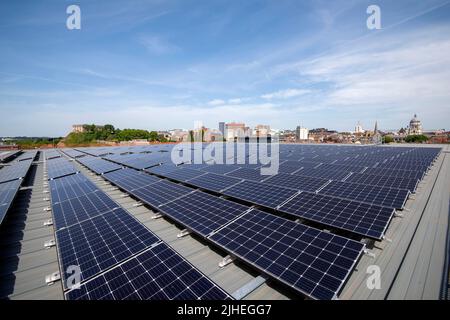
108,132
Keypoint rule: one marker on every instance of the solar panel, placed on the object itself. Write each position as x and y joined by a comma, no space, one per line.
69,187
221,168
259,193
183,174
384,181
161,192
84,207
8,191
323,173
296,182
214,182
162,169
101,242
247,174
417,175
156,274
313,262
361,218
387,197
17,170
202,212
98,165
130,179
59,167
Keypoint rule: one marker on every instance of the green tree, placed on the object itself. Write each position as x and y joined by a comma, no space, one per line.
418,138
388,139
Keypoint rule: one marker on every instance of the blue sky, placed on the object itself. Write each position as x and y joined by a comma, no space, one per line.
166,64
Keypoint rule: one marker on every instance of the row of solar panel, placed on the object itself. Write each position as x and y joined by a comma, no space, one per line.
11,178
271,250
104,241
58,166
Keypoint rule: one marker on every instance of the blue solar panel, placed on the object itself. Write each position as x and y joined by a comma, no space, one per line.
14,171
98,165
296,182
8,191
248,174
156,274
313,262
59,167
214,182
323,173
161,192
203,213
259,193
384,181
130,179
69,187
183,174
97,244
84,207
386,197
360,218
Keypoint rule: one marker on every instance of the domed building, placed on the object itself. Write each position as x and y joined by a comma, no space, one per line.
415,126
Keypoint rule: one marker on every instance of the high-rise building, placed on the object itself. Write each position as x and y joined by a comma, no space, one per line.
222,128
301,133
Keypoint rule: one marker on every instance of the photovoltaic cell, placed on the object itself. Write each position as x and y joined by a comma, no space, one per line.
75,210
130,179
384,181
98,165
260,193
361,218
161,192
383,196
8,191
183,174
214,182
248,174
296,182
68,187
311,261
156,274
101,242
202,212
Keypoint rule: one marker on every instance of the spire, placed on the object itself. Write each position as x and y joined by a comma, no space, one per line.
375,131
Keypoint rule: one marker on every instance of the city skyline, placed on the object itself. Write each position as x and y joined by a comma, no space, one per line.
163,65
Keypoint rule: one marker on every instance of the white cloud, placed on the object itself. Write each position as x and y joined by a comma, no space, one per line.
158,45
235,101
216,102
285,94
